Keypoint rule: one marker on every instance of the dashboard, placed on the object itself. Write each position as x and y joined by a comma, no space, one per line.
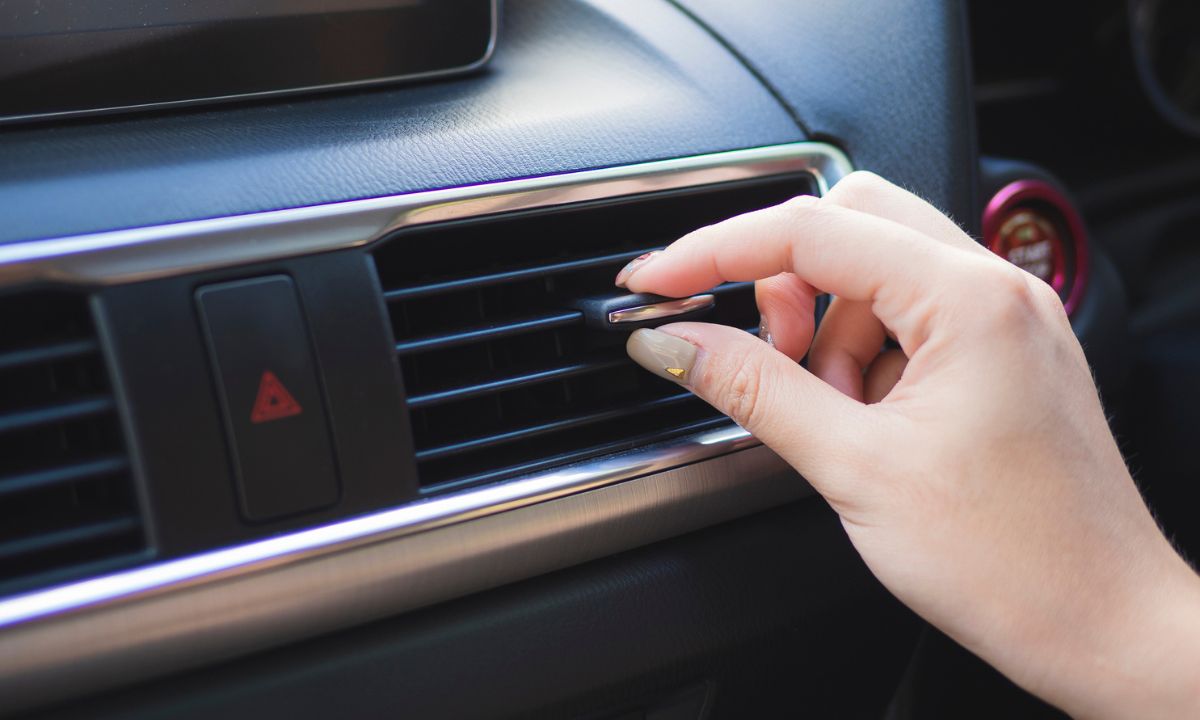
303,408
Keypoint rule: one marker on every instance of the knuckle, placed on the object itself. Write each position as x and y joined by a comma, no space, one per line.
863,180
1010,283
742,392
1013,298
800,205
807,209
858,188
1046,296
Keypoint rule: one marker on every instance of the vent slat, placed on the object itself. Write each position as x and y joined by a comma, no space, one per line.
62,474
529,273
582,454
91,532
490,332
47,353
56,412
68,505
503,375
550,427
466,392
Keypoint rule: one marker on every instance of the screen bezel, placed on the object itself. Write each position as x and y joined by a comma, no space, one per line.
474,62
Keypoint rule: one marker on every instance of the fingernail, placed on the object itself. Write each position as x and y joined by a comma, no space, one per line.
632,266
664,355
764,332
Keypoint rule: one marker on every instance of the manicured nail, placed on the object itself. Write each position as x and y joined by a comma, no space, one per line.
764,332
632,266
664,355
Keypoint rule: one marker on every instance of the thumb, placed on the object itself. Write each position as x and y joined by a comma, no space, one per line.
806,421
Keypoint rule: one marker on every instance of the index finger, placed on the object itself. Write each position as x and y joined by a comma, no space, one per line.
835,249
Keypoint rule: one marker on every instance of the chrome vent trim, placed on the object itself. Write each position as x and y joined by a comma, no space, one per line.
166,250
377,527
507,373
396,560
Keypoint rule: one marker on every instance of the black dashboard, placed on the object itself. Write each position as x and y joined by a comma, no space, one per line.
302,415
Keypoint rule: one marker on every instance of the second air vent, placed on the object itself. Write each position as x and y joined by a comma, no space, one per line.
502,376
67,498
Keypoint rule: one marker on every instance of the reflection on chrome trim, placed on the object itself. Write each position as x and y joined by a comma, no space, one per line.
161,251
220,618
670,308
128,625
376,527
133,254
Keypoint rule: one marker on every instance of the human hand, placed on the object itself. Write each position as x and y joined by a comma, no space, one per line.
974,471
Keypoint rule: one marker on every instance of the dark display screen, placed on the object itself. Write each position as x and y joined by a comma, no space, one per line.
78,56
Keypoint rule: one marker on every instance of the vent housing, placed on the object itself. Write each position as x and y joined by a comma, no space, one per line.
501,375
67,499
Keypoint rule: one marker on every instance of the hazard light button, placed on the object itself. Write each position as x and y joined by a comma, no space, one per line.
271,396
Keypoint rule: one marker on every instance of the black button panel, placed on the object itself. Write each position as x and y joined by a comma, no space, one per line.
271,395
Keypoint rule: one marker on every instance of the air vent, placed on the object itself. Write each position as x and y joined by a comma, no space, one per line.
501,374
66,496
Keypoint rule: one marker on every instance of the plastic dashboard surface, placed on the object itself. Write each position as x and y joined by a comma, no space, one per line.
334,571
890,80
573,86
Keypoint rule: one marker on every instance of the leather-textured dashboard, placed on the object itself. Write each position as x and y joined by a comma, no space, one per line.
890,81
573,85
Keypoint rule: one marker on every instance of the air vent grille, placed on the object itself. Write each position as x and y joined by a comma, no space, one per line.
66,495
502,376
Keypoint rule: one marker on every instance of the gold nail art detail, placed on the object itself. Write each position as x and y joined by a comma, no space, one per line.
667,356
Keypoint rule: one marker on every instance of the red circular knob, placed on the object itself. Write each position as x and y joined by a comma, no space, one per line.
1032,225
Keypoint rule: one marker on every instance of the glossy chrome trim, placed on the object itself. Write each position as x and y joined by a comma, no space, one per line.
377,527
126,626
161,251
656,311
226,613
488,51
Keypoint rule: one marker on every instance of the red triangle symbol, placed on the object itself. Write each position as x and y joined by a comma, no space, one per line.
273,401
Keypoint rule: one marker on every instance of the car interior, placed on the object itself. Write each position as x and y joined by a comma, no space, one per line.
313,393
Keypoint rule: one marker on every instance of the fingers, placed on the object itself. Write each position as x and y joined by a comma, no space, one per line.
844,252
850,336
787,306
846,347
806,421
849,339
882,375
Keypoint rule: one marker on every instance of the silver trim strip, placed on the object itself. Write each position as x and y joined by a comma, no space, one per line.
377,527
161,251
670,308
129,625
228,616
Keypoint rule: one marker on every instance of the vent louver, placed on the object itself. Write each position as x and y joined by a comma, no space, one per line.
502,376
66,495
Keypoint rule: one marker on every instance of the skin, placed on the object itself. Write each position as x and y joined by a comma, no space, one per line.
974,470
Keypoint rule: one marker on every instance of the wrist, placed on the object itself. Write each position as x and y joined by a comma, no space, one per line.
1141,657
